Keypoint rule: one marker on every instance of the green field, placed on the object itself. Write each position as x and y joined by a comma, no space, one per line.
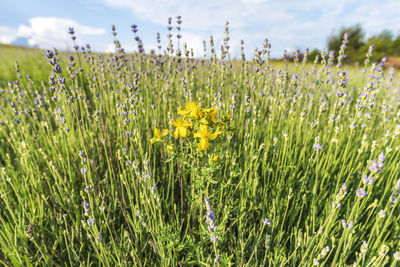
167,160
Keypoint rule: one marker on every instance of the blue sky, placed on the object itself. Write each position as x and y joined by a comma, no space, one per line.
288,24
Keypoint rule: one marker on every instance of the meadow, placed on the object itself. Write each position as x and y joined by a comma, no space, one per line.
164,159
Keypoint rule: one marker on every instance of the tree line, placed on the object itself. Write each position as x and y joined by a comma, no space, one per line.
384,44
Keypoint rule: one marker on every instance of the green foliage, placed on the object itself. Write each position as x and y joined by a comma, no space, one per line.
85,180
385,44
356,43
313,54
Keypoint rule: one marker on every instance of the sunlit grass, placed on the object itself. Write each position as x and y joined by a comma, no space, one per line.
272,164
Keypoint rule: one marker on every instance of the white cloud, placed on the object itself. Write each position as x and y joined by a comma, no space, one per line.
47,32
290,23
7,35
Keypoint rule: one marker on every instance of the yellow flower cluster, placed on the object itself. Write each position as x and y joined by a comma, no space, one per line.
195,122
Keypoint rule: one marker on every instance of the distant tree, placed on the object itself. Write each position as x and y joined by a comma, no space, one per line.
313,54
356,42
384,45
396,46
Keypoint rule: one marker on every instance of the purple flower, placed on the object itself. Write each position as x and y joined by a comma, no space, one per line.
84,170
368,180
210,219
49,54
90,221
87,212
318,147
343,79
86,205
99,237
361,192
82,154
266,221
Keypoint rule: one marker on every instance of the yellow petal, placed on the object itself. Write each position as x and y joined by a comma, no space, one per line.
157,133
170,148
204,121
203,145
165,132
218,133
182,131
211,111
176,133
212,136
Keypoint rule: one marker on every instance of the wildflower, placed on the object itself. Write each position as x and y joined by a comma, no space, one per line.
361,192
99,237
210,218
347,226
381,160
353,126
211,112
267,241
318,147
374,167
368,180
170,148
342,79
322,255
383,250
266,221
325,251
86,206
82,154
158,135
364,248
204,135
217,259
191,110
381,214
215,159
396,256
181,128
90,221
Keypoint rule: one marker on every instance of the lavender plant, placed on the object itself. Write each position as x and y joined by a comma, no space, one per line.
265,163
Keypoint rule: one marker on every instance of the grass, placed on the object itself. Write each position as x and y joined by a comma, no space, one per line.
87,180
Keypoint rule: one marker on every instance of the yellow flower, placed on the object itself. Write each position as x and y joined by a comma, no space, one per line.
158,135
218,132
227,117
204,135
204,121
215,158
165,132
157,132
210,117
192,110
180,128
211,112
170,148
